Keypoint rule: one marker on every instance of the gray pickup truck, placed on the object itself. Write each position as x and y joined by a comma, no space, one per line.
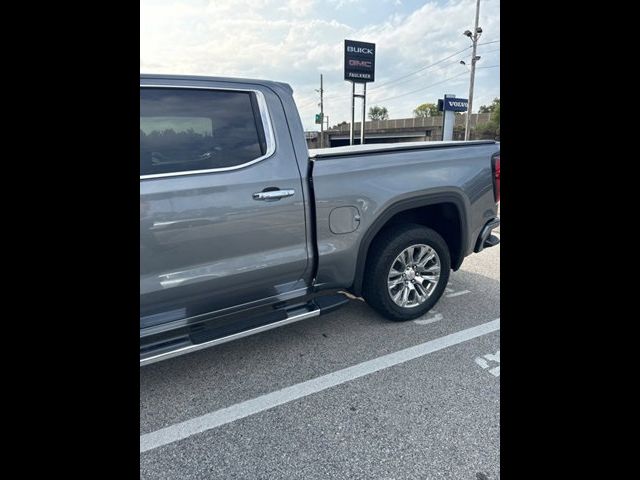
243,229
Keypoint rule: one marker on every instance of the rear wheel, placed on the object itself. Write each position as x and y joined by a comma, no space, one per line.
407,271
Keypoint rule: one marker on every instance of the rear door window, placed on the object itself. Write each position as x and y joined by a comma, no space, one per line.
184,130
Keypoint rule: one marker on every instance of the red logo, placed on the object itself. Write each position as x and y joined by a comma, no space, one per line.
359,63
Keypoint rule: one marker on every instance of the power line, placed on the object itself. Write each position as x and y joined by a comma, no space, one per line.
414,91
337,97
421,69
490,51
423,88
455,62
432,65
484,97
386,100
308,104
446,65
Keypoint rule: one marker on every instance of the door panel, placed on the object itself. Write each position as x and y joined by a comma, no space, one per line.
207,244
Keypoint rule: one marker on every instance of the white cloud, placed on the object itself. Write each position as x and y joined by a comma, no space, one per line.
296,40
341,3
298,8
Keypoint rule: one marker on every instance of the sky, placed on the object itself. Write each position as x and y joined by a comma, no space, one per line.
294,41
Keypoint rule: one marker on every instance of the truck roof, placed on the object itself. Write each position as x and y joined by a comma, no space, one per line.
267,83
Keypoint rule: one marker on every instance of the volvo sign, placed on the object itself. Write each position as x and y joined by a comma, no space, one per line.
359,61
456,104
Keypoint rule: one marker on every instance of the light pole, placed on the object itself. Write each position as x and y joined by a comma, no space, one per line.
321,105
477,31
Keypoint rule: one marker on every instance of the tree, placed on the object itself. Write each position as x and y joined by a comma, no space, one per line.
491,129
426,110
458,132
496,112
378,113
487,131
493,108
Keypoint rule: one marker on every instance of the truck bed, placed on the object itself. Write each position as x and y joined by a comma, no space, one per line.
356,186
317,153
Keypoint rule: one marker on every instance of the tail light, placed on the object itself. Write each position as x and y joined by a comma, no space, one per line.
495,166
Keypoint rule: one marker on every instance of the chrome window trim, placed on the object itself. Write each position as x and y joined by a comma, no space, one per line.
266,123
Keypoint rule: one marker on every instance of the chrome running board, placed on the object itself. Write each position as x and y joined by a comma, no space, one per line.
201,346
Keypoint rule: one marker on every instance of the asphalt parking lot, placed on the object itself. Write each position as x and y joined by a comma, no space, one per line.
344,395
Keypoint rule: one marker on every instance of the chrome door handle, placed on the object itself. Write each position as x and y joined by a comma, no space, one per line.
273,194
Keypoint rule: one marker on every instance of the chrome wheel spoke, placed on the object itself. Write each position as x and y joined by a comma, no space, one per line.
430,256
397,295
405,296
424,251
410,252
406,258
421,292
394,272
429,278
432,269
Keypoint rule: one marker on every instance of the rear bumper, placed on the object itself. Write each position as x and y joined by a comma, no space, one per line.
485,239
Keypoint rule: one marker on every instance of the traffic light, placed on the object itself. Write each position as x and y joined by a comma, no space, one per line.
318,118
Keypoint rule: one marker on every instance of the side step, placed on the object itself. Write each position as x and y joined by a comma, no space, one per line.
200,340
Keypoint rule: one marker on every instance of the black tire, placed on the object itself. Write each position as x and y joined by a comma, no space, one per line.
384,250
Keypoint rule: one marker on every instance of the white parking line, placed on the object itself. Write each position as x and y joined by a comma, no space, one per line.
458,293
186,429
482,362
492,357
426,321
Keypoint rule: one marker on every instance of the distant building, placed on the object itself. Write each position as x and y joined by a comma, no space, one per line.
312,139
389,131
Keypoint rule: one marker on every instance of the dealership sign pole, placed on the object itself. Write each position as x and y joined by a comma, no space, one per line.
359,67
353,110
449,106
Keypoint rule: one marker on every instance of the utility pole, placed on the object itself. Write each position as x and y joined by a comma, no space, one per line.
322,114
474,38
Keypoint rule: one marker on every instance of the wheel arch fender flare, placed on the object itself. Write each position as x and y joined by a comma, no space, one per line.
455,198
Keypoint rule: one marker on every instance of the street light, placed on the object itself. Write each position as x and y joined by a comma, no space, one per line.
474,58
